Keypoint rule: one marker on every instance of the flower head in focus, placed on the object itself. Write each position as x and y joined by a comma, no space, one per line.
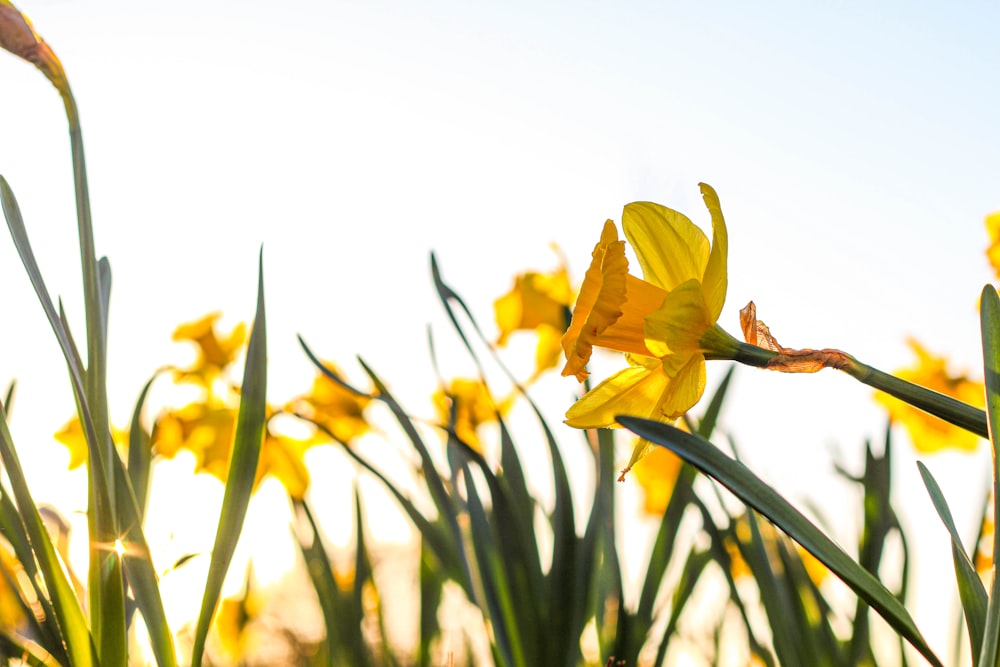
665,323
928,433
537,302
469,403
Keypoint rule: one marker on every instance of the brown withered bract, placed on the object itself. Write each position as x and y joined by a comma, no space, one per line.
788,360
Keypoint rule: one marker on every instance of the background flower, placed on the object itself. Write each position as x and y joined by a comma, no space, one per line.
927,433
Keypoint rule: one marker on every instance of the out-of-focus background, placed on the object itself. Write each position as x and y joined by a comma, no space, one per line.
854,149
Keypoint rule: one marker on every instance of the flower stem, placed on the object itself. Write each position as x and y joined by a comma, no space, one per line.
943,407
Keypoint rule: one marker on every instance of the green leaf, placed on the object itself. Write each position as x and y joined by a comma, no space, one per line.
140,453
13,529
72,624
567,597
970,587
990,323
242,469
501,607
751,490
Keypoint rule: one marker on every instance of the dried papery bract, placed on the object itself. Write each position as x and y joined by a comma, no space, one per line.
762,350
788,360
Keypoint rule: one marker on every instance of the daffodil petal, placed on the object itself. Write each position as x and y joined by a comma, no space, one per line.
684,389
715,280
678,324
599,304
671,249
628,392
549,349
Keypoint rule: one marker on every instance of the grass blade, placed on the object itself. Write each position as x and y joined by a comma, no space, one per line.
990,323
751,490
242,469
970,587
72,624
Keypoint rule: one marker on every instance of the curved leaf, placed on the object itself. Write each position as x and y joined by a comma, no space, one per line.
751,490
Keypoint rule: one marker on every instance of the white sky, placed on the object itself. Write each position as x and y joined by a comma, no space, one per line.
854,149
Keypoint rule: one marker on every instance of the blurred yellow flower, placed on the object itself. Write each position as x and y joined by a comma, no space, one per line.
770,536
215,354
472,404
656,473
18,36
983,557
234,621
71,436
337,408
282,458
207,432
927,433
537,302
665,324
12,607
993,251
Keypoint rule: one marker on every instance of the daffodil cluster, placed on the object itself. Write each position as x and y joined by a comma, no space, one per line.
206,426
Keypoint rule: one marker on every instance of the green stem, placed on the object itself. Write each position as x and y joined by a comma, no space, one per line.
943,407
105,575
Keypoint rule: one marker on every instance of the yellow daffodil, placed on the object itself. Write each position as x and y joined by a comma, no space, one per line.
665,323
928,433
472,405
815,570
993,251
983,558
234,622
12,607
282,458
334,406
71,436
215,354
537,302
207,432
656,473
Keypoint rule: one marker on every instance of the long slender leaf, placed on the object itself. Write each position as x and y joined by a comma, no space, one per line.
72,624
751,490
970,587
139,569
140,454
501,606
989,305
12,527
242,469
788,628
67,608
565,592
106,586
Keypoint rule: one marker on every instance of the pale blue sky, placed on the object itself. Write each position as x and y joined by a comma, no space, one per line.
854,149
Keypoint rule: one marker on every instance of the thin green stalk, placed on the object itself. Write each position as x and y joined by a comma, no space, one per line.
943,407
